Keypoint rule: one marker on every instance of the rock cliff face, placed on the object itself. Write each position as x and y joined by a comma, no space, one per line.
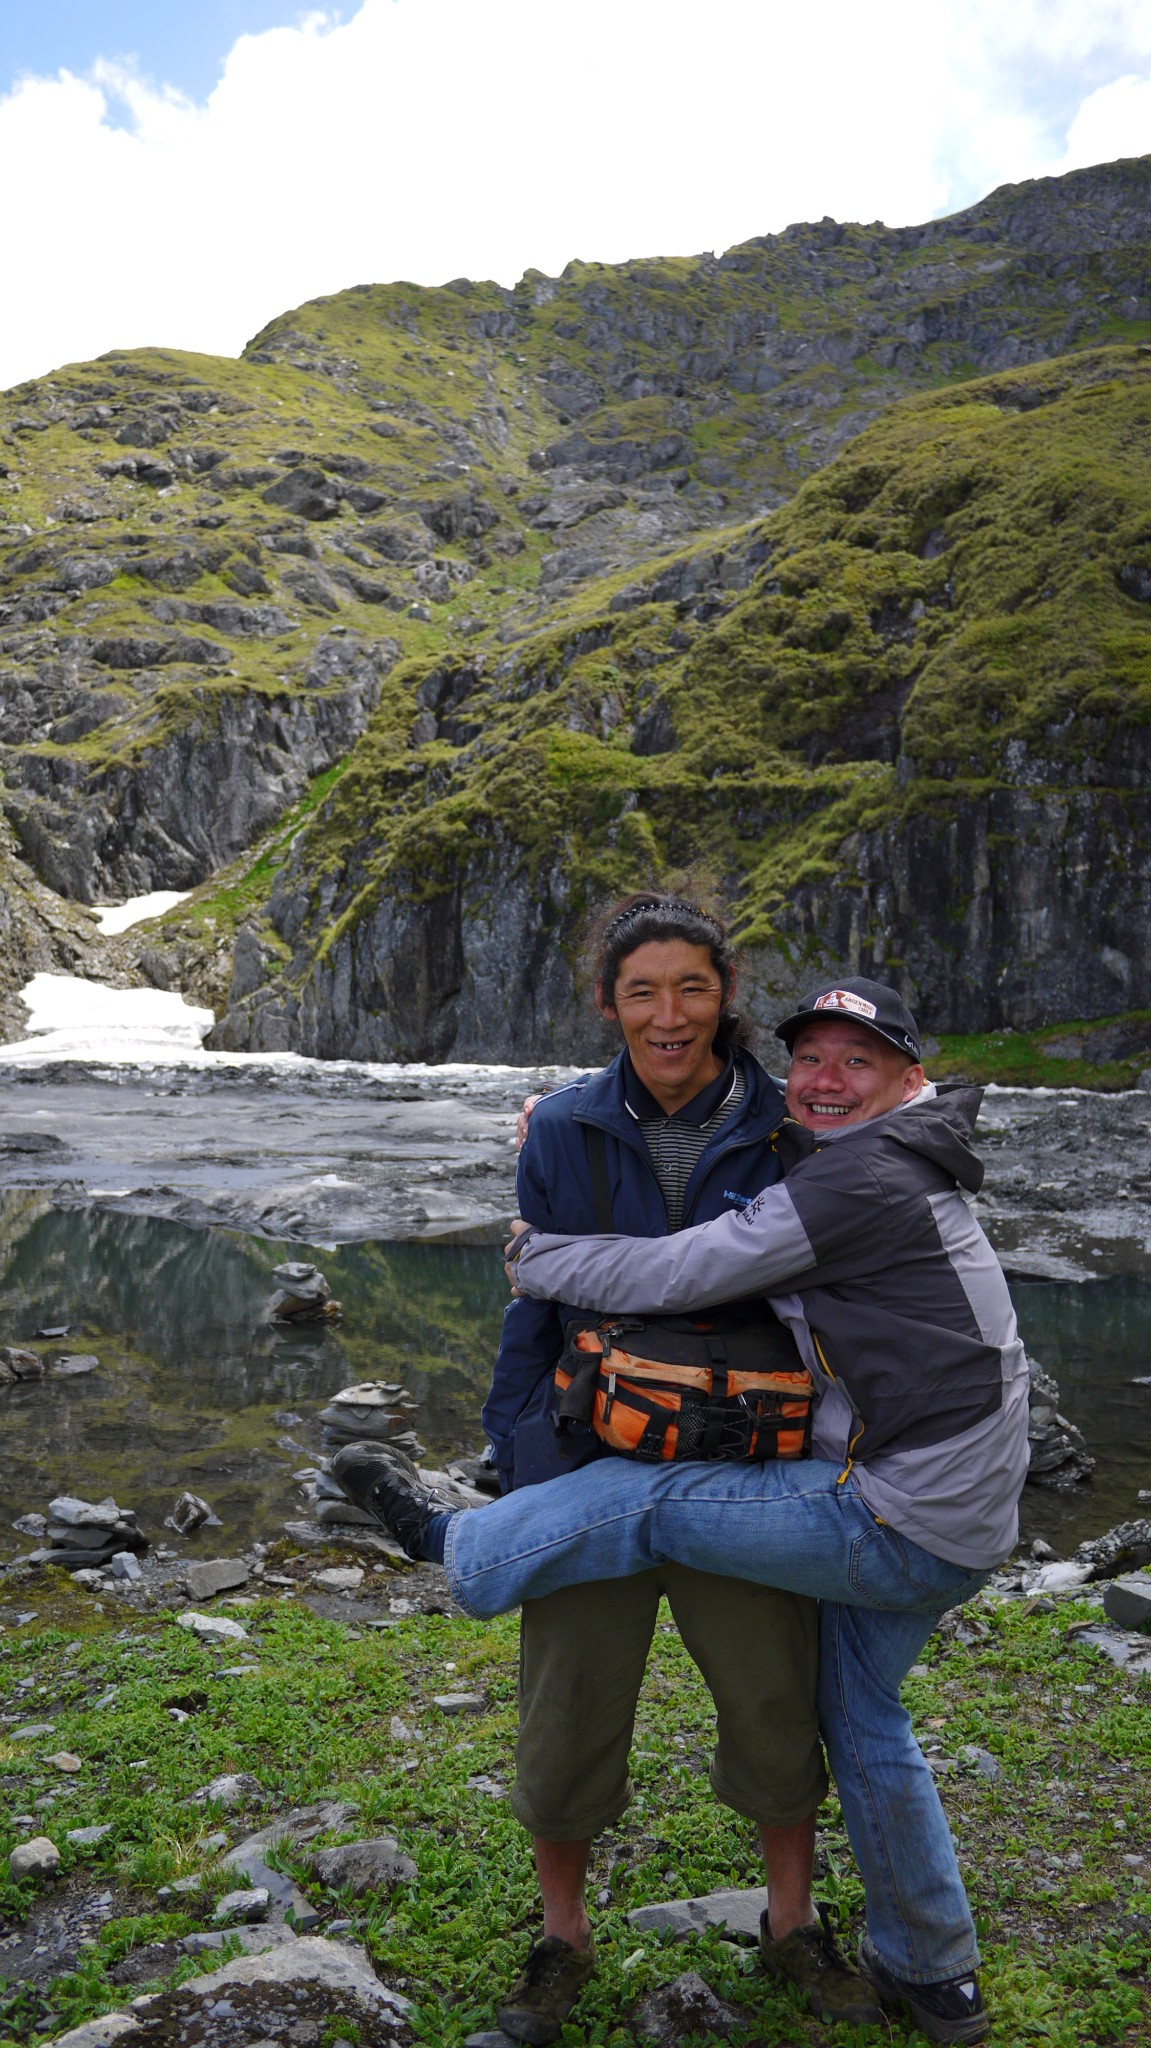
442,612
904,719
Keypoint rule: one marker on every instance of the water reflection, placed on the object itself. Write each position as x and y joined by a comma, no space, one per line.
195,1391
1095,1336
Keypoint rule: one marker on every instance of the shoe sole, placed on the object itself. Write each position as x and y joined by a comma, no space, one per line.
361,1496
961,2032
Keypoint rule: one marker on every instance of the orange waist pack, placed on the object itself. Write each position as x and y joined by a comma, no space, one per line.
679,1387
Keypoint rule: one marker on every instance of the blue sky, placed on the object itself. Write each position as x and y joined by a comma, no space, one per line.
188,171
181,42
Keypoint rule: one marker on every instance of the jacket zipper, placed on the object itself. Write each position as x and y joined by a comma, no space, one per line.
834,1378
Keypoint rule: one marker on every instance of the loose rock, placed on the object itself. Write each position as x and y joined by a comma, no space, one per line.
202,1581
37,1858
243,1906
19,1365
1128,1601
254,1941
689,2006
236,1788
30,1525
1064,1577
369,1866
189,1513
112,2026
737,1911
212,1627
460,1702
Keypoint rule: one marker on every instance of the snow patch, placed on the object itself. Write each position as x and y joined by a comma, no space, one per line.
113,918
72,1019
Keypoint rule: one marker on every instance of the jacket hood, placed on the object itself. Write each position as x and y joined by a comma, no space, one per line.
939,1127
942,1130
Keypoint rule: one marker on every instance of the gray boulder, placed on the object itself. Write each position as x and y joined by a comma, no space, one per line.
243,1907
16,1364
689,2006
36,1858
307,492
214,1575
736,1911
189,1513
254,1941
370,1866
235,1788
1128,1601
111,2026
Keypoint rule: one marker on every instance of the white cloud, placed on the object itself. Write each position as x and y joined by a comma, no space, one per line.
429,138
1113,122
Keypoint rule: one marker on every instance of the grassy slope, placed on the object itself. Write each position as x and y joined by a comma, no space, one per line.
1063,1917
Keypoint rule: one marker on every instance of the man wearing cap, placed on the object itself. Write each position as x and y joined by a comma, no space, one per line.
869,1252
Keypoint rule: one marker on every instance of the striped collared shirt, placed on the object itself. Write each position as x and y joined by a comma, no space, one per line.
677,1142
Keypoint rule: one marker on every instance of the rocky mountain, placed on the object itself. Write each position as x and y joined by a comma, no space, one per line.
825,562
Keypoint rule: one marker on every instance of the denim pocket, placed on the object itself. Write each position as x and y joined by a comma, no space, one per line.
885,1570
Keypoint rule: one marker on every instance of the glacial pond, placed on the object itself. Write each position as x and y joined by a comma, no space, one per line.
195,1390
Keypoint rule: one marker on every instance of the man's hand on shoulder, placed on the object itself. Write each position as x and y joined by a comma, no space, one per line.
524,1119
514,1246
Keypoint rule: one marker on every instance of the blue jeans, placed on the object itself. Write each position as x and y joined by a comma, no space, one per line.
796,1526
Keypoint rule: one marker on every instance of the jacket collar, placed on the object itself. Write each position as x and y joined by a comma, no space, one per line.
603,1100
641,1103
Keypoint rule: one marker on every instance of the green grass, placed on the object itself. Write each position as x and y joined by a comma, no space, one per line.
1021,1059
1065,1922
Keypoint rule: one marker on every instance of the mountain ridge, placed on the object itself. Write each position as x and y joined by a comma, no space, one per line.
247,597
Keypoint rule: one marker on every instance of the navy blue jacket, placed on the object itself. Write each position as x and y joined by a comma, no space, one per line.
554,1191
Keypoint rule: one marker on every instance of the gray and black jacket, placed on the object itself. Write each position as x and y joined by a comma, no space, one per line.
899,1305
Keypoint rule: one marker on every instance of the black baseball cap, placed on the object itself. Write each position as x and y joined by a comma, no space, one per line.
865,1002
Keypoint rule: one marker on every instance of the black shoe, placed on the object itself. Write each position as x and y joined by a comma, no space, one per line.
539,2002
950,2011
810,1959
387,1485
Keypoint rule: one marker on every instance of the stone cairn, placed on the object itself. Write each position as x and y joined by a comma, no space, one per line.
302,1295
89,1534
1059,1456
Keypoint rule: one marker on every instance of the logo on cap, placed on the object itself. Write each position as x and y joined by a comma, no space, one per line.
842,999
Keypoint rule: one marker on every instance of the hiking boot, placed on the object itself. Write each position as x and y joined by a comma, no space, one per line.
810,1959
539,2002
949,2011
387,1485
